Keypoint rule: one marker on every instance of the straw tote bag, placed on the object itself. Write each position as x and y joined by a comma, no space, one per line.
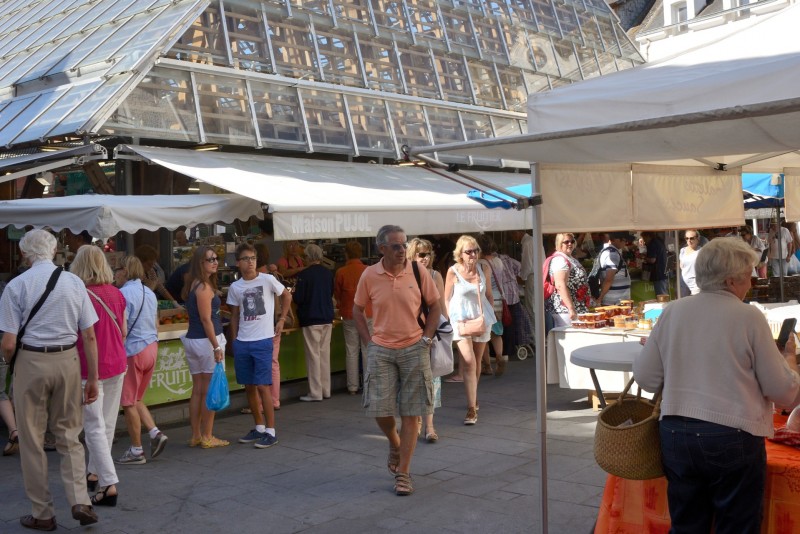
626,439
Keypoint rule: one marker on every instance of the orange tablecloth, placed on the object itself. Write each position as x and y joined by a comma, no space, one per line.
640,506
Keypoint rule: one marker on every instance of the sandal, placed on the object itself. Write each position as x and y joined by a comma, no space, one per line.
431,436
402,484
102,498
393,460
501,367
246,411
13,443
213,443
486,369
194,442
91,484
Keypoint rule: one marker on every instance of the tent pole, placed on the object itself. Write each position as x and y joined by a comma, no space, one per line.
677,242
538,327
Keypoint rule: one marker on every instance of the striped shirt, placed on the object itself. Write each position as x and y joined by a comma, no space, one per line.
66,311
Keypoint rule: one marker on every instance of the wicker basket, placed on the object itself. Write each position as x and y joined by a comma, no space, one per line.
632,451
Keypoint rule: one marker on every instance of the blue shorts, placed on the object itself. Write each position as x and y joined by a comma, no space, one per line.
252,361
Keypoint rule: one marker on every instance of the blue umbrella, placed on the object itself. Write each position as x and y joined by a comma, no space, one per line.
760,192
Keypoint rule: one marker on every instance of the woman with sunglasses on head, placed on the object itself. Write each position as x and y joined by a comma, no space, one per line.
687,257
204,343
421,251
571,296
468,296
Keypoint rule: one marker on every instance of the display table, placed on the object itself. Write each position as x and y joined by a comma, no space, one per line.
563,341
636,506
617,356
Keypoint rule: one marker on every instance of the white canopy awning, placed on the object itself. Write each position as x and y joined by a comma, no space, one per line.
732,106
331,199
106,215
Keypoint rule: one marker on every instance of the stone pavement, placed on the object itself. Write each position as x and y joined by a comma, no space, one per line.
328,472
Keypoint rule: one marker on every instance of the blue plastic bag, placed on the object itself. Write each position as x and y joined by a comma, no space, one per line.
218,397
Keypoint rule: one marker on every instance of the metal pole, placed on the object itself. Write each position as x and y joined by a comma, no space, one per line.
538,326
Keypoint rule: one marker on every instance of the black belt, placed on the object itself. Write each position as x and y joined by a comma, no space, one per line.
51,348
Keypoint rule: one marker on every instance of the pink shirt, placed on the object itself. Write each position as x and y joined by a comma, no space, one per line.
395,303
111,357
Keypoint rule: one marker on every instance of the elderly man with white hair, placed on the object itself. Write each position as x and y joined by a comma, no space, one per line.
47,376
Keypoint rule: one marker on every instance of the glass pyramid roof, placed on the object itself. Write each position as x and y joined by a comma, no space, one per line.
63,63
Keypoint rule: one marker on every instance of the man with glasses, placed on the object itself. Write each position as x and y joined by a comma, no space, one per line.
252,302
398,374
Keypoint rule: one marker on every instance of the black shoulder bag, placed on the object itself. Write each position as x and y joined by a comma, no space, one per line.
47,290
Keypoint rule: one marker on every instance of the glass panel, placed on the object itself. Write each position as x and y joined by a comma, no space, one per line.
498,8
248,38
278,114
460,32
339,59
224,110
409,123
77,56
543,54
63,48
629,50
518,49
445,125
521,12
504,126
453,77
380,66
546,17
10,112
425,18
477,126
565,54
326,121
419,73
293,48
62,109
513,88
487,91
312,6
590,31
389,15
569,23
607,63
353,10
27,116
625,64
589,64
599,5
535,83
607,34
204,41
162,105
115,11
370,124
490,39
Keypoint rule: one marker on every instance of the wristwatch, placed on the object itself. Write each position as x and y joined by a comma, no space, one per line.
428,341
217,349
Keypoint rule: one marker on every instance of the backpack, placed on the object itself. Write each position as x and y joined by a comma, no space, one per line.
547,282
594,275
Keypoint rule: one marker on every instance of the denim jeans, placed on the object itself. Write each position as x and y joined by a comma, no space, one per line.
661,287
715,474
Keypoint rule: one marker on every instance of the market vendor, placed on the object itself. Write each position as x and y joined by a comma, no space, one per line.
154,276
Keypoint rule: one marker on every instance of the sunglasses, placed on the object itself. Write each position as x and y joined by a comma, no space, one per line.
247,258
397,247
423,254
568,242
691,238
472,251
212,260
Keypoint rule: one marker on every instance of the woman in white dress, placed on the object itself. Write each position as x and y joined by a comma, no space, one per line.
687,257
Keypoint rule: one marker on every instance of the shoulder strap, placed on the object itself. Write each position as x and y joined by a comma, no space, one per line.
108,310
51,284
423,305
140,311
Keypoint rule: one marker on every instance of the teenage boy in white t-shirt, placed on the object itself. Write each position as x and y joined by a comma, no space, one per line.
252,302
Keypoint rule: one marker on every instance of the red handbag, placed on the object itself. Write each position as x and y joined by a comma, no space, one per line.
506,317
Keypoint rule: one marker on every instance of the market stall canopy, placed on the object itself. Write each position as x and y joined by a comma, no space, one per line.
106,215
313,199
731,104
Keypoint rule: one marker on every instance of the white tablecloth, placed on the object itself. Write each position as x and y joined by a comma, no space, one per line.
562,341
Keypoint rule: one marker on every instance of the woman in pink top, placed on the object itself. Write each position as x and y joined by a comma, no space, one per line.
100,418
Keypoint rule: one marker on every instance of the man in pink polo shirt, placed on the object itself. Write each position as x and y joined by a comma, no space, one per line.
398,371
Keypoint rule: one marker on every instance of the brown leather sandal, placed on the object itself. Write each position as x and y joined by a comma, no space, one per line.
394,460
402,484
13,443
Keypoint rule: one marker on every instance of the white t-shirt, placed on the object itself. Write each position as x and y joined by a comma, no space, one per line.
256,301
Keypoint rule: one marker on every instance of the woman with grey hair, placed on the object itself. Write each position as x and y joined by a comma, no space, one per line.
313,296
720,370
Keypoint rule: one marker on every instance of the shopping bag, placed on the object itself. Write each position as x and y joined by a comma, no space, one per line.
507,318
442,349
218,397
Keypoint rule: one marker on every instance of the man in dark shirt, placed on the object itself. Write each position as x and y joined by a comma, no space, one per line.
657,261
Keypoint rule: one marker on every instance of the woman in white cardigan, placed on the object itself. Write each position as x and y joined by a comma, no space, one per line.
721,371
